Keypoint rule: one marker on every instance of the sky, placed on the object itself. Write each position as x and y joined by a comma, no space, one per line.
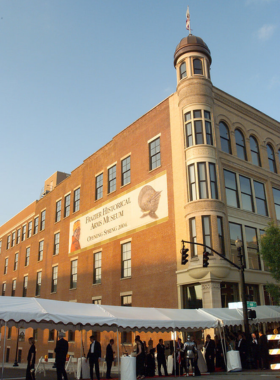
74,73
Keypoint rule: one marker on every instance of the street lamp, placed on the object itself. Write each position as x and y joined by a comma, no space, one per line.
239,244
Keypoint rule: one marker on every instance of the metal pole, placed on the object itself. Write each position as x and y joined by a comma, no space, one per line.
174,352
16,362
118,352
2,376
244,302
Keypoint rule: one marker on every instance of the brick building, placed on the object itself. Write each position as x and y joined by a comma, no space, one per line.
200,166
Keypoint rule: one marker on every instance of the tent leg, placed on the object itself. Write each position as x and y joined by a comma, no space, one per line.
174,352
118,353
3,359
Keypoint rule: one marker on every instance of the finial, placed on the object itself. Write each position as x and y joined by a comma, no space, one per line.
188,22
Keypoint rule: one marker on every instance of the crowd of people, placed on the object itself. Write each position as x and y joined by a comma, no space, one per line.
253,350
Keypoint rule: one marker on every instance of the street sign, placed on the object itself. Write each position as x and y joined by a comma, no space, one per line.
239,305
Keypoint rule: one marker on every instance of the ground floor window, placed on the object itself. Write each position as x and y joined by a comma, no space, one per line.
229,293
252,293
192,296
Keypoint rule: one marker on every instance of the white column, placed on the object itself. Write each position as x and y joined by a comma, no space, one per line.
211,294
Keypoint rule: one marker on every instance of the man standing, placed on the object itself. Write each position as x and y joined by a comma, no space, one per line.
255,350
94,354
242,348
161,358
263,351
61,350
109,358
210,353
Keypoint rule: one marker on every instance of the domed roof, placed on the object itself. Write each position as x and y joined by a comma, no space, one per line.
191,44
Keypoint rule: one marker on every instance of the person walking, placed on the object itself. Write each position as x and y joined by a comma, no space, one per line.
94,355
161,357
61,350
109,358
31,357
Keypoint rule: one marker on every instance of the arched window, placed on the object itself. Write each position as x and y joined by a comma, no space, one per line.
225,138
240,145
197,66
271,158
183,72
255,151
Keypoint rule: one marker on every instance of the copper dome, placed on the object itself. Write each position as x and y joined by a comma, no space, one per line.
191,44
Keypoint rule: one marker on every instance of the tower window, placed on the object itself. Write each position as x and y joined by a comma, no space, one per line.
183,72
197,66
198,124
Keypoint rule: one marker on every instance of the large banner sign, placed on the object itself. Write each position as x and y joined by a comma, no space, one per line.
144,205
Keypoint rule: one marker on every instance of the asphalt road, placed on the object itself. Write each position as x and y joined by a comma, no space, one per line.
19,374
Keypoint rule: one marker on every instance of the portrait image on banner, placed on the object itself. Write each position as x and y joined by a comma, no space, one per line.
145,204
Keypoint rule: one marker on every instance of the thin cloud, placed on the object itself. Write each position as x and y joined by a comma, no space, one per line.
274,82
266,32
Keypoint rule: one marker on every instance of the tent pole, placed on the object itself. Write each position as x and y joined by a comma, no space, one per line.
4,351
118,353
174,352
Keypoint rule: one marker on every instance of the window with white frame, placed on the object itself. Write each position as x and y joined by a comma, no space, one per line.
206,229
154,153
6,265
97,268
27,256
112,179
13,239
14,285
58,211
25,284
67,203
29,231
16,261
56,243
74,274
193,237
125,171
18,235
43,220
126,260
54,279
38,283
99,186
76,205
36,225
41,249
23,235
183,70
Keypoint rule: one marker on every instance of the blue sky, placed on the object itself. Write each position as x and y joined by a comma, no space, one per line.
74,73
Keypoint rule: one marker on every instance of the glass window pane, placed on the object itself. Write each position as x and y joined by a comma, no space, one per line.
255,151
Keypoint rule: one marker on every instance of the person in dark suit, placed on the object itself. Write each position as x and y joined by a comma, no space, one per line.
109,358
31,358
254,350
263,351
61,350
161,357
180,360
242,348
210,353
94,354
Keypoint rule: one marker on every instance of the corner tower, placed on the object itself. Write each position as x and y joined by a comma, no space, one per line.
199,206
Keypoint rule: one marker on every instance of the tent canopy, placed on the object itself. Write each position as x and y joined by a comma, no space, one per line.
44,313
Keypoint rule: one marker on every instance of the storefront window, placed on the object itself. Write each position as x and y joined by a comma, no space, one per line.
229,293
192,296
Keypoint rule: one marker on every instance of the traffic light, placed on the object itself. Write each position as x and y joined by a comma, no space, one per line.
205,259
252,314
185,255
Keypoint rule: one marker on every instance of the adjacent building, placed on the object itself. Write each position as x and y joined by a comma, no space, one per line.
201,166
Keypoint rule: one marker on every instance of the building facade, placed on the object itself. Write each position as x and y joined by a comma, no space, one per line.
200,166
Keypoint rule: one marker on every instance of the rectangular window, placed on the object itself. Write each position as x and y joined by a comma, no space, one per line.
192,296
126,337
43,220
58,211
97,301
27,256
126,260
23,236
71,336
76,205
16,261
198,132
74,274
14,285
41,249
252,248
126,171
231,189
208,128
97,268
189,136
25,283
126,300
193,237
276,196
4,286
9,242
51,336
252,293
99,186
235,231
13,239
206,226
229,293
56,243
9,333
260,198
36,225
54,279
192,183
6,265
213,181
18,235
202,180
221,235
154,154
38,283
29,232
67,205
246,193
112,179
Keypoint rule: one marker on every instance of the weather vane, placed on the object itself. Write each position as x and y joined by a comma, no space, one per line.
188,22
